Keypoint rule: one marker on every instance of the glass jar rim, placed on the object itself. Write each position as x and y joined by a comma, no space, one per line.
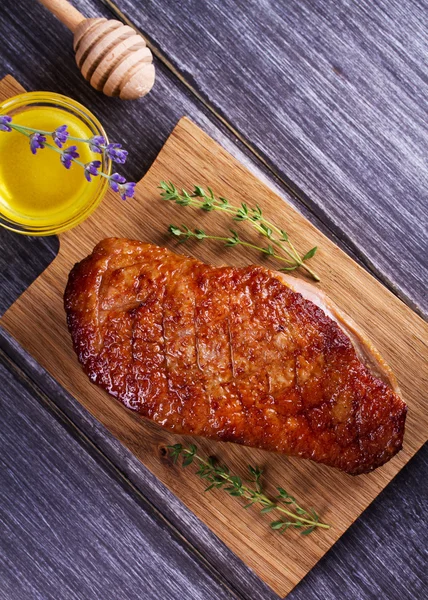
46,98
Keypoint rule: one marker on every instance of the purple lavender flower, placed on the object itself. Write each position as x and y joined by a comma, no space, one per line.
115,181
68,155
116,153
91,169
37,141
127,190
4,123
60,135
119,184
96,143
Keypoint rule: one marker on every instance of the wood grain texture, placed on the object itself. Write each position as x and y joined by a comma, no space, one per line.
365,563
190,155
70,530
383,555
141,126
332,95
23,258
217,554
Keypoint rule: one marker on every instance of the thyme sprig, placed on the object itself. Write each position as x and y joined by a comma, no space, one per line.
206,200
219,477
233,240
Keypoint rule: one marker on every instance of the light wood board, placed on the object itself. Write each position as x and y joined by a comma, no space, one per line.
37,321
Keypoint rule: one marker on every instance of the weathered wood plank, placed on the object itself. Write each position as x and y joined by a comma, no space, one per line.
142,126
370,562
21,260
383,555
334,573
125,123
200,536
37,321
333,96
70,530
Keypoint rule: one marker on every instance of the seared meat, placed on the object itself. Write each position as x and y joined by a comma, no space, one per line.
230,354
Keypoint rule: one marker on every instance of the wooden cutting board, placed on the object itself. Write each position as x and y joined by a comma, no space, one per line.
37,321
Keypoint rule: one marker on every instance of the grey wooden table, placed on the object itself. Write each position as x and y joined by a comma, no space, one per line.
328,101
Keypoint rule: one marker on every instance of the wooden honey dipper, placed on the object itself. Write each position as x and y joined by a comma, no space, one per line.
111,55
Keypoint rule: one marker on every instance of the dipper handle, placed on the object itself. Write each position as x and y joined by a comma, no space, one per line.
111,56
65,12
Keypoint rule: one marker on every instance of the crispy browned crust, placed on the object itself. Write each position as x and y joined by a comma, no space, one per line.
230,354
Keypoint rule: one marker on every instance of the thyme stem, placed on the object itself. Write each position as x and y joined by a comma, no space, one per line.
219,477
249,494
201,235
207,201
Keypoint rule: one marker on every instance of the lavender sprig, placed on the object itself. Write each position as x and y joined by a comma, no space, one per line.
118,184
68,156
5,122
116,153
92,169
97,144
37,142
60,135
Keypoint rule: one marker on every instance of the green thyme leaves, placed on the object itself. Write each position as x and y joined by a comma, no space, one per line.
218,476
280,248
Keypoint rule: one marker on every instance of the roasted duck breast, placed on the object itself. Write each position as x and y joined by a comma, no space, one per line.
243,355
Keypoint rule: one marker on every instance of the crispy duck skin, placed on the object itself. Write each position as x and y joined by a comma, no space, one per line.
232,354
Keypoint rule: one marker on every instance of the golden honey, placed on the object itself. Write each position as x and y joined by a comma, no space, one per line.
38,195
